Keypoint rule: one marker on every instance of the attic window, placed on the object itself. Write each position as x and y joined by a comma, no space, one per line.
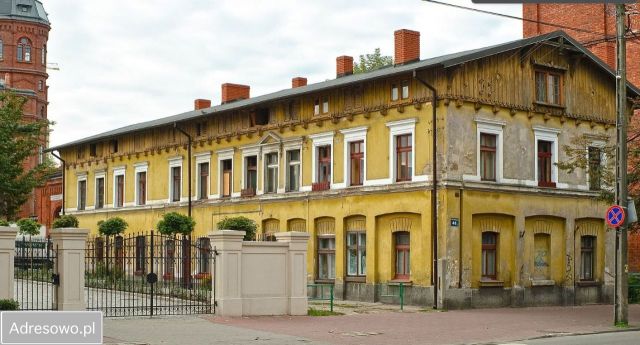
93,150
548,87
114,146
23,8
261,117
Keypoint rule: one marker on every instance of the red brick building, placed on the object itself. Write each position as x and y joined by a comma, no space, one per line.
599,20
24,32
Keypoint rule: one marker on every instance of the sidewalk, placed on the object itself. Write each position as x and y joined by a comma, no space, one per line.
419,326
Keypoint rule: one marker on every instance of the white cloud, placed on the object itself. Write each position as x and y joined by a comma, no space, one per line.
123,62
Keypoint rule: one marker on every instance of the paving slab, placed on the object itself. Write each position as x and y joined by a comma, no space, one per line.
189,330
432,327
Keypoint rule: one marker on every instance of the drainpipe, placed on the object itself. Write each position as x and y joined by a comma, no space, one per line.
434,190
64,166
175,125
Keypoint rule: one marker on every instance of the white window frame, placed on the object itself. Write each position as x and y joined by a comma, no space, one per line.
202,157
102,175
119,171
396,128
263,172
352,135
495,127
81,177
547,134
224,155
292,145
173,163
603,160
250,151
138,168
287,165
317,140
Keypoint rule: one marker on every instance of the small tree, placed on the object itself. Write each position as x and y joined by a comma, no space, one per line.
28,226
370,62
112,226
240,223
176,223
65,221
19,140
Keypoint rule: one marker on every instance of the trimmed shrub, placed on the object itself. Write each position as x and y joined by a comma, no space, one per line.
28,226
112,226
240,223
4,222
8,304
176,223
65,221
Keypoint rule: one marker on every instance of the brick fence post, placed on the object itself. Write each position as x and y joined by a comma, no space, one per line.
296,270
228,271
70,244
7,253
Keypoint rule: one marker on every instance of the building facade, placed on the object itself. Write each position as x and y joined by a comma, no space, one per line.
597,32
24,32
351,161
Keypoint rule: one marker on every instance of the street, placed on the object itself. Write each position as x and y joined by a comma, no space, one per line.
613,338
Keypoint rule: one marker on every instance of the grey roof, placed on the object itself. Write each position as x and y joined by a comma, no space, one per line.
30,10
444,61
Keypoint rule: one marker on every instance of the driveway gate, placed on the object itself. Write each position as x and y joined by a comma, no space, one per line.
149,274
35,277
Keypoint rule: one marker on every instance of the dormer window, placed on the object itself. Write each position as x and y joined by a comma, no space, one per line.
548,87
24,50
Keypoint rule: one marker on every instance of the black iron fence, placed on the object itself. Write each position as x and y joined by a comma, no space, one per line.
149,274
35,274
634,287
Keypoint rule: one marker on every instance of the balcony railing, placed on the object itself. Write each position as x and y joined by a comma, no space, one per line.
318,186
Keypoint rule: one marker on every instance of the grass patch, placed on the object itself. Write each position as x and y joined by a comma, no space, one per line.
320,312
622,325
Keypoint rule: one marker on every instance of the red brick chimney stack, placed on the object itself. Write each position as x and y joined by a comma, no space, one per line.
298,81
202,104
234,92
407,46
344,66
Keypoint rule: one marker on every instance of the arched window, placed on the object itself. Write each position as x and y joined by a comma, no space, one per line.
44,54
24,50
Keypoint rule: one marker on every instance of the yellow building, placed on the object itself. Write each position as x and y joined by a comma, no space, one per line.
350,161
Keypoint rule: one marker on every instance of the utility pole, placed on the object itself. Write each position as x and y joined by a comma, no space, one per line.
621,293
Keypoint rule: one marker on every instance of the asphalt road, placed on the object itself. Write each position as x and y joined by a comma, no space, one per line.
613,338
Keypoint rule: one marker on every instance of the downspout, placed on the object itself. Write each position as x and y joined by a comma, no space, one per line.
64,168
175,125
434,190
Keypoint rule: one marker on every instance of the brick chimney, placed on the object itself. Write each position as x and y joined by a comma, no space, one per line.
298,81
234,92
407,46
201,104
344,66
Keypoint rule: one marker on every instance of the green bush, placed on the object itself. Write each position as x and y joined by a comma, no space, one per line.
4,222
65,221
8,304
28,226
240,223
112,226
634,288
176,223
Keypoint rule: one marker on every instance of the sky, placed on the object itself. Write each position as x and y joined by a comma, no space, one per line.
123,62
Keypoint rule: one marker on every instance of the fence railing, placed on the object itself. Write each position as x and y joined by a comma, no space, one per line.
393,290
321,292
35,274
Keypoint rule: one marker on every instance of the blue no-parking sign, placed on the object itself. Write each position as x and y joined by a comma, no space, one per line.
615,216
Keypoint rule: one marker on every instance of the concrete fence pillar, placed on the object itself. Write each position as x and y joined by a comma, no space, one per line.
296,270
7,253
70,244
228,271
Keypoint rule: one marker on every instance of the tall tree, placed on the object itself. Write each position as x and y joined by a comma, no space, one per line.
370,62
19,140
